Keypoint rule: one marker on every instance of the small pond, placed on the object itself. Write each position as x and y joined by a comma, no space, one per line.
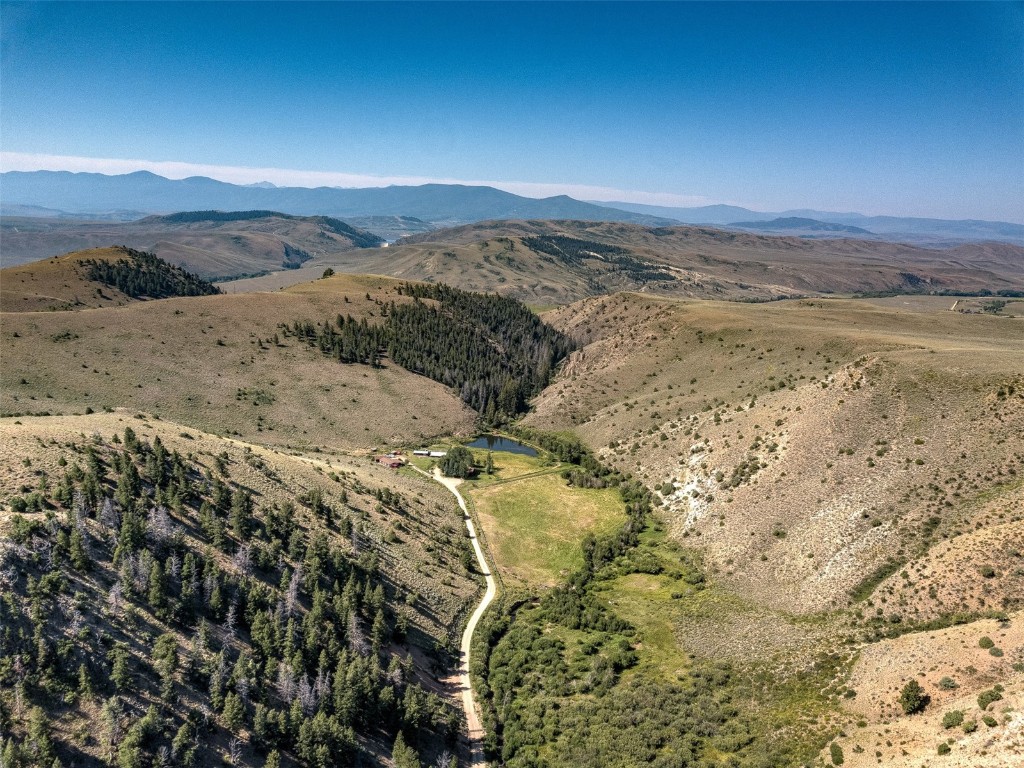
499,443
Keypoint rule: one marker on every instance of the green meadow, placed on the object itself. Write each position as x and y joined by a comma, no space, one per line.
534,522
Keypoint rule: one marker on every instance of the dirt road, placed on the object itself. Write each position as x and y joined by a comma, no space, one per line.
473,726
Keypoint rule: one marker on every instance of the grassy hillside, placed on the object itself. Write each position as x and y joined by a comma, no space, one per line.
820,433
213,244
170,594
60,283
100,277
223,364
523,259
846,472
823,484
492,350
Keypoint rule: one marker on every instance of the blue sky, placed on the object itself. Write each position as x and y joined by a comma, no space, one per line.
907,108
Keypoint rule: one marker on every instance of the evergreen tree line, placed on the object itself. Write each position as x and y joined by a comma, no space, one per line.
269,634
144,274
573,251
348,340
294,257
493,350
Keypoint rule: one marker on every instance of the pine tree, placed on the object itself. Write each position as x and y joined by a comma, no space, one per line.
403,755
119,674
241,514
157,587
216,689
260,724
379,632
38,741
234,712
84,681
110,715
79,557
129,484
182,739
11,755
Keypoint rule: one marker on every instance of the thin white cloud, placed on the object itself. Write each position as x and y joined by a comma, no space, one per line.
22,161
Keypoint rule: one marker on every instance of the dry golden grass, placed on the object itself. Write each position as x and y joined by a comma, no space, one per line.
58,283
688,392
211,362
502,265
883,431
977,571
889,737
703,262
208,248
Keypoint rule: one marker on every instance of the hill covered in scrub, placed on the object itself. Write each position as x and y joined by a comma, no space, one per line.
174,596
100,277
748,527
212,244
848,473
556,262
359,238
836,421
800,224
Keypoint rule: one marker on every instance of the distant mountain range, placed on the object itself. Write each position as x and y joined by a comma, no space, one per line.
932,232
440,204
61,194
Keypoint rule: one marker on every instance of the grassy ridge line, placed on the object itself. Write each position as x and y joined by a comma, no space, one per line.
236,375
140,274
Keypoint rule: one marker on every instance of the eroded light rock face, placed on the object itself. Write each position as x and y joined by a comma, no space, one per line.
809,446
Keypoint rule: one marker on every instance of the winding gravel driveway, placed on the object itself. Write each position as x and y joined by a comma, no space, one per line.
474,728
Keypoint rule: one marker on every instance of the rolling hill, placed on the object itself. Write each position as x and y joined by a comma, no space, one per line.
936,233
99,277
199,599
783,512
849,474
219,363
523,259
804,226
871,399
210,243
